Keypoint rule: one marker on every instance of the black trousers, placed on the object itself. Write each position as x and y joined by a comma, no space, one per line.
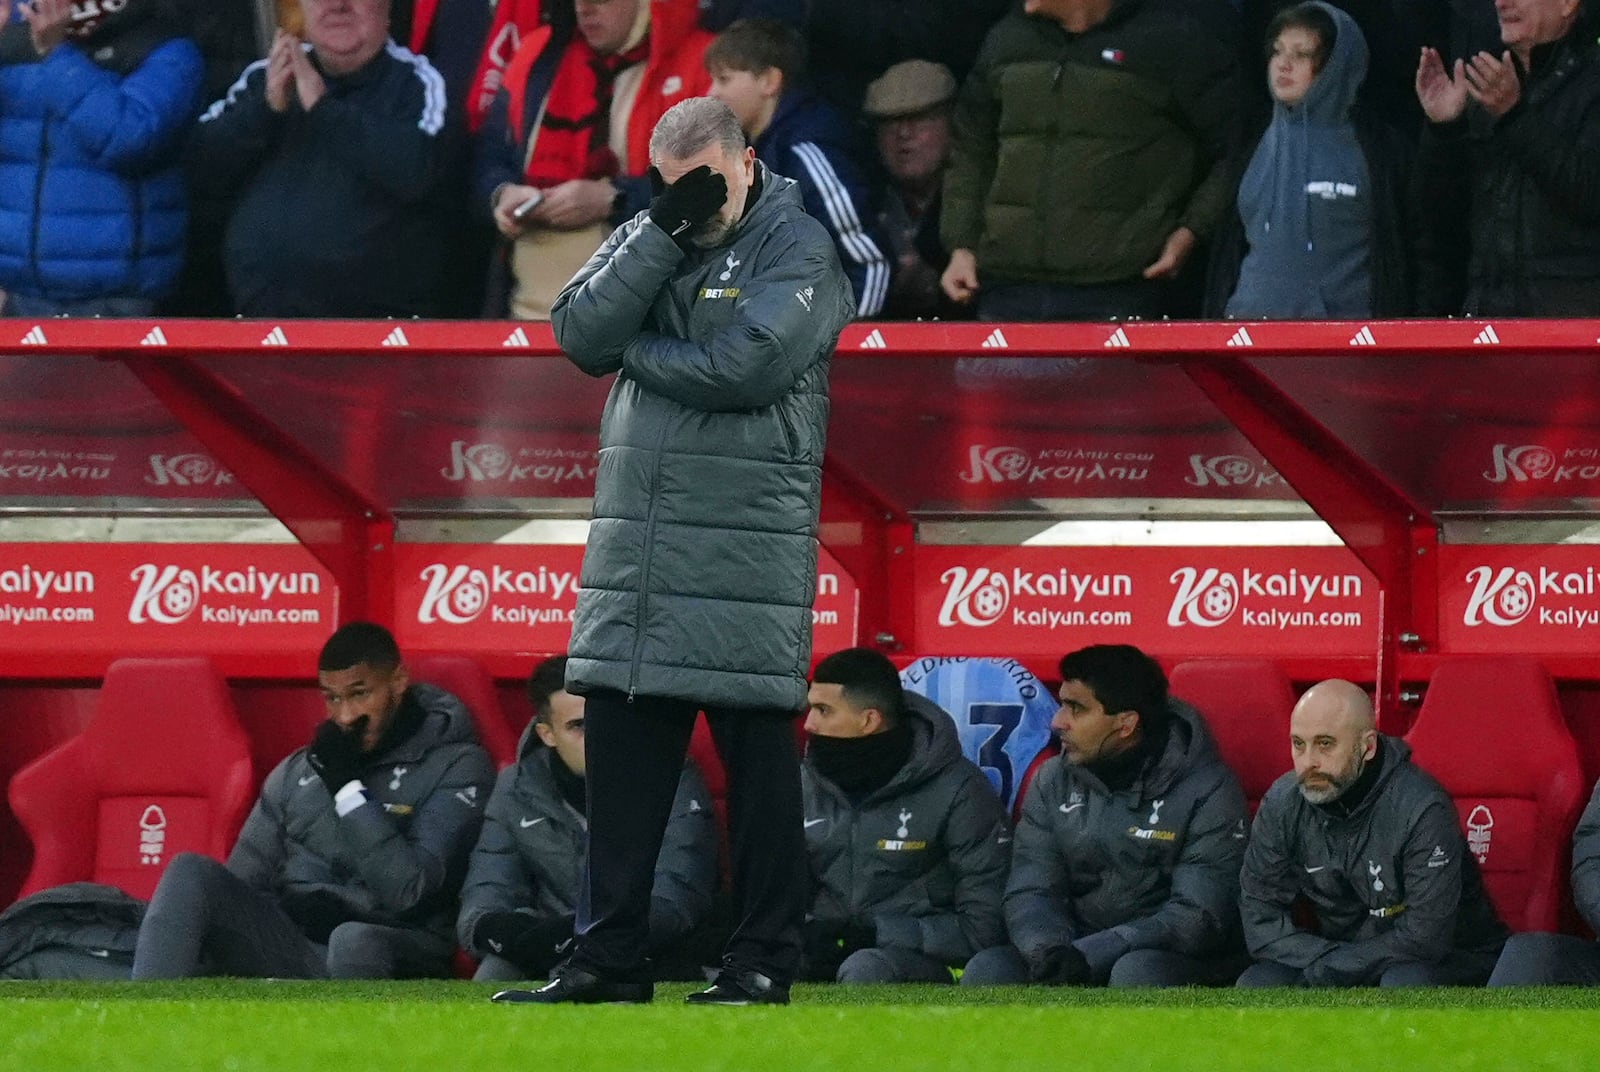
634,752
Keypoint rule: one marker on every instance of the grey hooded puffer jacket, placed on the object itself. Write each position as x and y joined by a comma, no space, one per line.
1157,861
700,570
529,857
399,858
923,860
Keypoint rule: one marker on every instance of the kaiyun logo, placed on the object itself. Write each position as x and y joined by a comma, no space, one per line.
455,596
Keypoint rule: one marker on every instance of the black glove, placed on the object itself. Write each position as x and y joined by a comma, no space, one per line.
1101,951
1058,966
828,942
681,208
316,912
336,755
535,945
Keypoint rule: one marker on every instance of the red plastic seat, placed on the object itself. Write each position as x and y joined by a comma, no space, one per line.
1491,730
1246,702
163,767
466,678
703,750
1045,756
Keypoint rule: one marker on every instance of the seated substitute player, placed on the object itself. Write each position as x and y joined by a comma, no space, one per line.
1125,869
1370,841
906,838
350,862
520,898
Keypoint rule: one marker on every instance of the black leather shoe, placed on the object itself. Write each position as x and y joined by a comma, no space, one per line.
578,987
741,988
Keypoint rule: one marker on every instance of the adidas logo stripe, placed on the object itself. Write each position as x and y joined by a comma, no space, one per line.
1241,338
157,337
995,341
1118,338
1487,337
874,341
396,338
517,338
1363,338
275,337
35,337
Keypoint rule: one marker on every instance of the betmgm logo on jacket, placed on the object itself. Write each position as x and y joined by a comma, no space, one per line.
1152,832
902,842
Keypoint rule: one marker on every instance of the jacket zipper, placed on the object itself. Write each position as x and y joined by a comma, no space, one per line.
850,854
138,238
649,556
38,203
1043,195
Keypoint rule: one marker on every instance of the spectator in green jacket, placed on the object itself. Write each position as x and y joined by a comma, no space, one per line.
1087,162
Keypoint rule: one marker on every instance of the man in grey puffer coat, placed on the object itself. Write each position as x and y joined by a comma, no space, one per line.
906,838
351,860
1373,843
1125,871
719,309
521,893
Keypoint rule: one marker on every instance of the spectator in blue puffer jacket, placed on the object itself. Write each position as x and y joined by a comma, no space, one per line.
95,98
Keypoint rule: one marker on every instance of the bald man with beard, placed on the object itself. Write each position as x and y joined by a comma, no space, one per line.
1370,842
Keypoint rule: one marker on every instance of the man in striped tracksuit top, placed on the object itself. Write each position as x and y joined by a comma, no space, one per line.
756,67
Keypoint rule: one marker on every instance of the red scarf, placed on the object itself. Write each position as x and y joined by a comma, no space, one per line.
513,20
573,140
421,23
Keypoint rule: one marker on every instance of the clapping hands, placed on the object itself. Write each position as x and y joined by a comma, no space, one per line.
1493,83
288,67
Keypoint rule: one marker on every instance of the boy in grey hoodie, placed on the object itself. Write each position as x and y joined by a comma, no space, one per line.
1320,201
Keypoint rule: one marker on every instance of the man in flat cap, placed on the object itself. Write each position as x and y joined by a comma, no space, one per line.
910,104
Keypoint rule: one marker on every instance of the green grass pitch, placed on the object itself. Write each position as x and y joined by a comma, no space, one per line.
248,1025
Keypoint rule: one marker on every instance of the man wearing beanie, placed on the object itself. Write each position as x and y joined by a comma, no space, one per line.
906,839
1125,870
1373,844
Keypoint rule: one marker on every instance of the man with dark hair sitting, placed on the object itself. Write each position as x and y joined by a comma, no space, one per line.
349,864
521,893
906,839
1125,870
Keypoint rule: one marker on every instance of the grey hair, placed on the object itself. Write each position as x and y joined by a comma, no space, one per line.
691,125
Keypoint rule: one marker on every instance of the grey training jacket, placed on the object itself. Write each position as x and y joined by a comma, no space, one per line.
923,860
701,565
399,858
1391,884
1586,862
529,857
1158,861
